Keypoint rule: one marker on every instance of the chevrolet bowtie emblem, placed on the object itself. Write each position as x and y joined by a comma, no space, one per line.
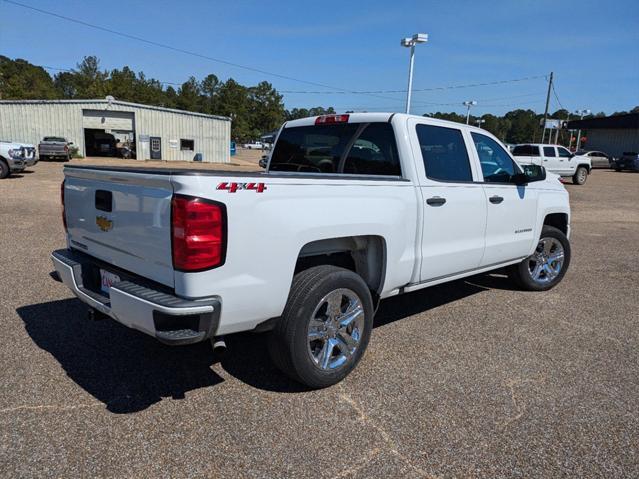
104,223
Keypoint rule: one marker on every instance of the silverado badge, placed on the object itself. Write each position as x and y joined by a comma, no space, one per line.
104,223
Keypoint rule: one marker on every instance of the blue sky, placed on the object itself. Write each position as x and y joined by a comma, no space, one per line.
592,46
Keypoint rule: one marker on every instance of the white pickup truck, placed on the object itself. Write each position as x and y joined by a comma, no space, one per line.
556,159
351,209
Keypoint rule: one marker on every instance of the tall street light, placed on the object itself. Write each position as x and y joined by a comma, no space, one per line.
581,114
469,104
411,42
480,121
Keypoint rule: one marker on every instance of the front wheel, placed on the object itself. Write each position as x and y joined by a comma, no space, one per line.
4,170
325,327
580,176
546,267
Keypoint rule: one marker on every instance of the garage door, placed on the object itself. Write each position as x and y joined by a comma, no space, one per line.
107,120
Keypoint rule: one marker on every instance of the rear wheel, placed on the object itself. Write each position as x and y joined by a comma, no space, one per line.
580,176
325,327
546,267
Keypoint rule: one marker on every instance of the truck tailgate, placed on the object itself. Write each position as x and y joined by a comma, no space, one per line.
121,218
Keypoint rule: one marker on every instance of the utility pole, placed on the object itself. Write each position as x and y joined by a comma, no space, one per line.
543,136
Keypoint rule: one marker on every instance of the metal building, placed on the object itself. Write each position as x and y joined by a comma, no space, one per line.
96,126
613,135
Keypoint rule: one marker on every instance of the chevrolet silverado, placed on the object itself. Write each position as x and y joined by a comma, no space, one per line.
351,209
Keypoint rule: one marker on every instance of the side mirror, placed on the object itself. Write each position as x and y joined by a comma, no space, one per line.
263,161
531,174
70,143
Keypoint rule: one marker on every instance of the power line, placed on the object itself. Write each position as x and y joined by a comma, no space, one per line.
169,47
447,87
418,102
554,92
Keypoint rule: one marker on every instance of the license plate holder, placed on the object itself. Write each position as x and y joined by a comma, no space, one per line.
107,279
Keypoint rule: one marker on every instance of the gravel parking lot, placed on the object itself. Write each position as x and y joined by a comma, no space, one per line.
471,378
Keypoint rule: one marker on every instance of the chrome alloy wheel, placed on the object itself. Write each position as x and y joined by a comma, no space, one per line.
582,175
545,264
335,329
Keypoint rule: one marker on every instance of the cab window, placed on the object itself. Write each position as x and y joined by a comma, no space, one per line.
496,165
563,153
549,151
444,153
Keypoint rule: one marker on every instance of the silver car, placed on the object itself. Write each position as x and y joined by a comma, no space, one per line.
598,159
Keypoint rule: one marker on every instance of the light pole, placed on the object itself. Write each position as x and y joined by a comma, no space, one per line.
469,104
480,121
581,114
411,42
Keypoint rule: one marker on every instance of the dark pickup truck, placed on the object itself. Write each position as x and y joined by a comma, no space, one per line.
628,161
54,147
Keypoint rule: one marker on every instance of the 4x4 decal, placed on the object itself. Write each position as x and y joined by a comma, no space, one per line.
233,187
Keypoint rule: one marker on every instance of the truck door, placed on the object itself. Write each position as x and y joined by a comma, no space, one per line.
551,162
454,207
512,209
567,165
156,147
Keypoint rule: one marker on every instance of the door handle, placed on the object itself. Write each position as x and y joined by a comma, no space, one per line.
436,201
496,199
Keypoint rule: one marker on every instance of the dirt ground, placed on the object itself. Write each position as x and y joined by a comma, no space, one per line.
468,379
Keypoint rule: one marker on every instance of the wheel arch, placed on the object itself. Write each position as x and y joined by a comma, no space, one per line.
363,254
557,220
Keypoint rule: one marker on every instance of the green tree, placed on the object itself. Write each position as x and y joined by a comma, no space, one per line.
266,108
21,80
89,80
232,101
189,95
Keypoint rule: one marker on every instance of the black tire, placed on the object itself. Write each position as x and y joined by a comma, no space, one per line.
289,344
580,176
521,273
4,170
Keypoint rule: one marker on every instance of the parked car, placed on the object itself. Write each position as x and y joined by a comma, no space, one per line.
598,159
256,145
556,159
15,157
352,209
54,147
628,161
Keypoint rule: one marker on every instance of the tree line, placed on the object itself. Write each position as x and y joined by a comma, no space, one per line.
254,110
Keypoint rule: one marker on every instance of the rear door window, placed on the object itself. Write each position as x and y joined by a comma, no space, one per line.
549,151
444,153
343,148
526,150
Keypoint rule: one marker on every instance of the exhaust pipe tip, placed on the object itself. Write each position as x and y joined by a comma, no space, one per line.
219,345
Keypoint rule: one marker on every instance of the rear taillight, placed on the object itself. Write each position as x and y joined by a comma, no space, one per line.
64,216
329,119
198,229
66,148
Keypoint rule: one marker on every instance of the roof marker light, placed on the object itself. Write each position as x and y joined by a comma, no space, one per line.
330,119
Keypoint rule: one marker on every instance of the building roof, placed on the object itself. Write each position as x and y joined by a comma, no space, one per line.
114,102
617,122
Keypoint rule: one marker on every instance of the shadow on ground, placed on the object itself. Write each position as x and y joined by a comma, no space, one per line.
129,371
